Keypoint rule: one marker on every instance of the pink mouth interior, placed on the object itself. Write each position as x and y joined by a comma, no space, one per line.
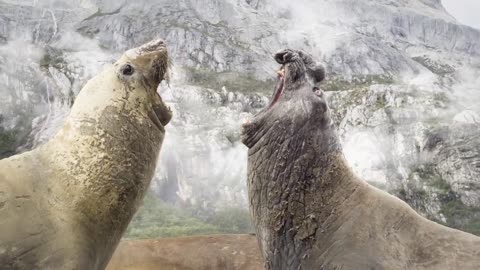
278,91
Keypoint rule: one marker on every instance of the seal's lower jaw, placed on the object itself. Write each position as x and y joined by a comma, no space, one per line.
154,118
163,113
160,114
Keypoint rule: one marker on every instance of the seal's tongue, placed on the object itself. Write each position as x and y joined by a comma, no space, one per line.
279,90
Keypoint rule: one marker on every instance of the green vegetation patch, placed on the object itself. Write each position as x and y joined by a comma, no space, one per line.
434,67
248,82
457,214
338,83
53,58
433,179
232,220
158,219
99,13
461,216
11,139
233,81
8,142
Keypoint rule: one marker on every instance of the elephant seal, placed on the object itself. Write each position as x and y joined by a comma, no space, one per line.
309,209
66,204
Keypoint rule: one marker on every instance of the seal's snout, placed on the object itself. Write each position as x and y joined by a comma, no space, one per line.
152,46
285,56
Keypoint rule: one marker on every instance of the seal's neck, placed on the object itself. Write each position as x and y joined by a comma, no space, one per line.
299,161
317,164
297,180
110,157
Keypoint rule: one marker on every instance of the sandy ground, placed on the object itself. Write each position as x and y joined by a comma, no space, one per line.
222,252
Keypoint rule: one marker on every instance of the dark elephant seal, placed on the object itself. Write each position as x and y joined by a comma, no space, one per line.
311,212
66,204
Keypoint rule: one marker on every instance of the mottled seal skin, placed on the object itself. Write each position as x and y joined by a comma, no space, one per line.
66,204
311,212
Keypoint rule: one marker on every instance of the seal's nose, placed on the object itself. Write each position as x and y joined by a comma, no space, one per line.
285,56
152,46
155,46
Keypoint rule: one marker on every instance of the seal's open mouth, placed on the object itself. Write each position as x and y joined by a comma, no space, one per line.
155,56
279,89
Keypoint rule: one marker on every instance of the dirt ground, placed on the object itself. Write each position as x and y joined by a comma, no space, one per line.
214,252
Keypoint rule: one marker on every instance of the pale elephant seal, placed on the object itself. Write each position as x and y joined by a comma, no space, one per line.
311,212
66,204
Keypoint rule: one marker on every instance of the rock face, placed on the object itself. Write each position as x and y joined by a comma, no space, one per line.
402,80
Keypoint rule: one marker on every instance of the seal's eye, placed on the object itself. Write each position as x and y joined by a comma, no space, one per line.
127,70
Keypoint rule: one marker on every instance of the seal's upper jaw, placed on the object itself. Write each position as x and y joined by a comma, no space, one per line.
152,46
285,58
147,49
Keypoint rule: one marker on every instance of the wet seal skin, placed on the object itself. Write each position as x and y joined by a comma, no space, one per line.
311,211
66,204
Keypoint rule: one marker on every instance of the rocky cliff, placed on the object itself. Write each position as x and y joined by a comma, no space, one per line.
402,82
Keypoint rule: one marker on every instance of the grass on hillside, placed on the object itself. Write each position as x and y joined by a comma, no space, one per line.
158,219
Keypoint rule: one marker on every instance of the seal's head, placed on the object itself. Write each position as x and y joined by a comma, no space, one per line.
298,72
146,67
296,102
129,86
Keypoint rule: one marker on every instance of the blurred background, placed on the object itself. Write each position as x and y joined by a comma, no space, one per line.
403,86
